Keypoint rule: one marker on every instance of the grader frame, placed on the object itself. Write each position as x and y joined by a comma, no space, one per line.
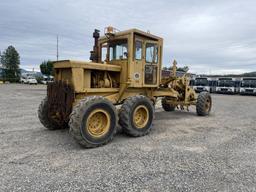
125,69
131,72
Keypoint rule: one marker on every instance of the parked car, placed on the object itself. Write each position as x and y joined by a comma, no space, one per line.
32,80
28,80
23,80
47,79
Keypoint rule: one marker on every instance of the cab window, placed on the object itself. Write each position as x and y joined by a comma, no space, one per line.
138,50
104,52
118,50
156,54
151,53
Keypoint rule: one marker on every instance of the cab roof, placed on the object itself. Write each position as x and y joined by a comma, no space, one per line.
136,32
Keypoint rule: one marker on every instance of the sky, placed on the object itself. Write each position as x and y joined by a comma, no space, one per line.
210,37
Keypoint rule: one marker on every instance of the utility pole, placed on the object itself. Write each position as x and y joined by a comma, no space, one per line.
57,48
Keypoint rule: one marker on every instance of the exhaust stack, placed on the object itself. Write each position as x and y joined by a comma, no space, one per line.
95,53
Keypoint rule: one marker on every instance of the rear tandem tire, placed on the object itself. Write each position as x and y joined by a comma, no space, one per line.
136,116
203,104
43,116
93,122
166,106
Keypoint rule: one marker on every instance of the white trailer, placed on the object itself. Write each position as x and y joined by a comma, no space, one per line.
204,84
248,86
227,85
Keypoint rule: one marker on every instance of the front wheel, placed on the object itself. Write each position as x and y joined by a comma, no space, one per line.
136,116
167,106
93,121
204,104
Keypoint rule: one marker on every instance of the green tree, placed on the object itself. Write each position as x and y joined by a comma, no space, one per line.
10,60
184,69
46,68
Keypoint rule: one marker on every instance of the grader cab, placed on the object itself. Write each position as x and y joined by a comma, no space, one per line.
125,69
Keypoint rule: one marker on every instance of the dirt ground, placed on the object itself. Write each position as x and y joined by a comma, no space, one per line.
183,152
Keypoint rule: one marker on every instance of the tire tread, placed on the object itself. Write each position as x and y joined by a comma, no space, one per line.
124,116
200,104
76,117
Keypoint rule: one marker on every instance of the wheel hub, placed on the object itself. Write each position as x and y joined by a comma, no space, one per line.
140,116
208,104
98,123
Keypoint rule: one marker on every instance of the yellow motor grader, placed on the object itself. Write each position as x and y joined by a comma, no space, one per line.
125,69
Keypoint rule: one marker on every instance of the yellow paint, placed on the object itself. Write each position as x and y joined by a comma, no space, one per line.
121,78
140,116
98,123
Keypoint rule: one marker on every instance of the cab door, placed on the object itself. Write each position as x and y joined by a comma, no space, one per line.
151,64
138,62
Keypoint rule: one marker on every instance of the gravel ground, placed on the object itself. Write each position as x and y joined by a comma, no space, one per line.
183,152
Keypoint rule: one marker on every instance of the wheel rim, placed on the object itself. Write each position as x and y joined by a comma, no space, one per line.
98,123
208,104
140,116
